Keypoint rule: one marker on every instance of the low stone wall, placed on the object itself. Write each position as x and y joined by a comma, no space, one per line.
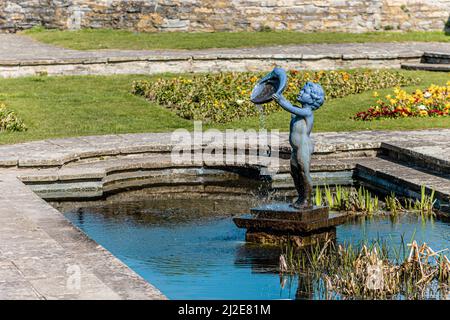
224,15
224,63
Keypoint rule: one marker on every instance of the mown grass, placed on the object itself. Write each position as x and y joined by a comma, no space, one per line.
81,105
89,39
87,105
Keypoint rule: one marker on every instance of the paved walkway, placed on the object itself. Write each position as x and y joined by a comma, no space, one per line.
43,256
22,56
16,47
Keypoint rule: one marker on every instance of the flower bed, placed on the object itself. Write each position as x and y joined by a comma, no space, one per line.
223,97
431,102
9,120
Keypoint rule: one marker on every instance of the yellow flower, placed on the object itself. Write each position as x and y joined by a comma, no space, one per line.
423,113
375,94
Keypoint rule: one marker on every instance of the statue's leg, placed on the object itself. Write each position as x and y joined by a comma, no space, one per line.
304,162
308,178
298,181
308,187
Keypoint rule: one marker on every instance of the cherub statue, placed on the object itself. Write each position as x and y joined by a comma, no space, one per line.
311,98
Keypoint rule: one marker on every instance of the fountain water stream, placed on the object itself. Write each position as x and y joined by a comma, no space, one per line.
262,116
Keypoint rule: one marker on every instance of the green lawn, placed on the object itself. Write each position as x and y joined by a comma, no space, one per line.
88,39
86,105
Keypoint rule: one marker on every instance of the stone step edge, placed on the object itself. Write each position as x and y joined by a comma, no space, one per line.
436,57
64,158
426,66
211,57
437,54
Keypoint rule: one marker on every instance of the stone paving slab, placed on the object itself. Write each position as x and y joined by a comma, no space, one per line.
381,171
434,156
14,47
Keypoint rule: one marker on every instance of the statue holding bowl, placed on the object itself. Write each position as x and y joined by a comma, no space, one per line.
311,97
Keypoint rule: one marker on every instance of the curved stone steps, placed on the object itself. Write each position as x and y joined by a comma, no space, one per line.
95,178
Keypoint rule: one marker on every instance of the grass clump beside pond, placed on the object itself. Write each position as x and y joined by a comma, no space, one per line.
90,39
223,97
361,201
370,271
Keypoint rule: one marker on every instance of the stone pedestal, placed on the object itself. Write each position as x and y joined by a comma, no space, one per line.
279,223
299,240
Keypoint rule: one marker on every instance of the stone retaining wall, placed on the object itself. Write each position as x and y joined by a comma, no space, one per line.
230,63
225,15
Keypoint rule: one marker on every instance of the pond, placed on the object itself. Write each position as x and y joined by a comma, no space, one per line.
191,249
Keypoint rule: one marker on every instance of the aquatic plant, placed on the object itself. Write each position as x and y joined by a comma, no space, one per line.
392,204
368,272
358,200
361,201
318,197
423,206
426,203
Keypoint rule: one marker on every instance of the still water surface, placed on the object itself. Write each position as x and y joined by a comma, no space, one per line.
191,249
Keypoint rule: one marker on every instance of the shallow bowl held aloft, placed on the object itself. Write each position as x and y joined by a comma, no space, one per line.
274,82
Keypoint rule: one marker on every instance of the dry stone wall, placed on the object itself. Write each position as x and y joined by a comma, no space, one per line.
227,15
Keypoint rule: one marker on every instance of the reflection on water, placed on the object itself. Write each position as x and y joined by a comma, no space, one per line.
191,249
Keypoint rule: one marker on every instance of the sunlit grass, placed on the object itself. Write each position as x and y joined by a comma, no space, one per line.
88,39
89,105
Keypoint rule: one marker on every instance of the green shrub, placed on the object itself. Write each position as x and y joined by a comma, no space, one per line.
9,121
223,97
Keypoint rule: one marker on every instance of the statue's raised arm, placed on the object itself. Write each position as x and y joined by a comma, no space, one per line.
286,105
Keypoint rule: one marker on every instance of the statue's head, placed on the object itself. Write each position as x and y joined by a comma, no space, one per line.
312,95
